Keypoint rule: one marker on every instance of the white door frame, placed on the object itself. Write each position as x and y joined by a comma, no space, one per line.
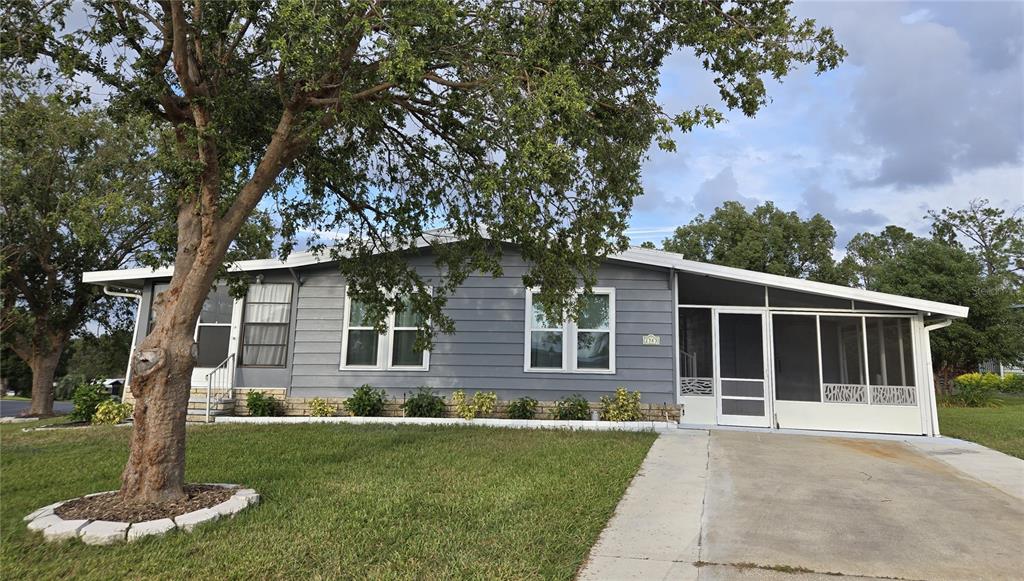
767,383
199,373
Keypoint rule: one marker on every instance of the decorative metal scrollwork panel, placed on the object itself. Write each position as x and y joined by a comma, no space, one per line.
845,393
893,395
696,386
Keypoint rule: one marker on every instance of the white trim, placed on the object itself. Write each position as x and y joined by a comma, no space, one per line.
644,256
569,330
385,345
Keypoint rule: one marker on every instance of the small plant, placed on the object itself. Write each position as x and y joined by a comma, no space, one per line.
482,404
1013,383
976,389
66,386
524,408
366,401
624,406
110,412
87,398
261,404
573,407
424,404
319,408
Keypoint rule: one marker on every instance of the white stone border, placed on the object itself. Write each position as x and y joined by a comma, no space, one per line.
105,532
489,422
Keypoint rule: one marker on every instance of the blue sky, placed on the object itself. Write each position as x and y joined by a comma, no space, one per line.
926,112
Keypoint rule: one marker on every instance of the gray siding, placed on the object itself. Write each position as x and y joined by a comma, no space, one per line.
487,350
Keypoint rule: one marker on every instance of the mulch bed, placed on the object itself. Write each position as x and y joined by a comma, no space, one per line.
110,506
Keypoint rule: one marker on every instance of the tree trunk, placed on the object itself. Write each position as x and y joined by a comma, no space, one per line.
161,383
44,367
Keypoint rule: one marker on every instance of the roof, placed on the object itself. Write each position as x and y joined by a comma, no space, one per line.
136,277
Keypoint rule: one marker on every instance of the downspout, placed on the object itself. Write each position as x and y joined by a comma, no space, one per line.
931,373
135,331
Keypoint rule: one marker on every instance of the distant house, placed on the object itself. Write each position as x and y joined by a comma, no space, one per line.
114,386
718,345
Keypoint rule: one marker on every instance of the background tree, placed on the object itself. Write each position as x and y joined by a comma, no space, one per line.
996,238
867,253
77,197
766,239
381,120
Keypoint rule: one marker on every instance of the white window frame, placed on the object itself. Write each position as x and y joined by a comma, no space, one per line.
569,329
385,345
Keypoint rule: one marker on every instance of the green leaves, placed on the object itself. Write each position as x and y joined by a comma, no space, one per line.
765,239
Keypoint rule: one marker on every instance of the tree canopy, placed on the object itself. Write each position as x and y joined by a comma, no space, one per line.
77,197
765,239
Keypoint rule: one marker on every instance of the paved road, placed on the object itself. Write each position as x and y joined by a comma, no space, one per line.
761,506
13,407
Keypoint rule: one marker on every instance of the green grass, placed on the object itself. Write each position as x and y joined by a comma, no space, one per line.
1000,428
339,501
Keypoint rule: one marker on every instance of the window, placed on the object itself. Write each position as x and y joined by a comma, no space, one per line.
364,348
890,353
213,332
584,346
265,325
795,338
842,350
406,326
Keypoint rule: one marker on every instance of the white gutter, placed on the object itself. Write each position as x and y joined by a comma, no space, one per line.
135,331
931,373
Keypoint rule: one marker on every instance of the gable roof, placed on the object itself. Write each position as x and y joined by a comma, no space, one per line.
136,277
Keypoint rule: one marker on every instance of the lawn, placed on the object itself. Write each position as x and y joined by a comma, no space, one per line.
1000,428
339,501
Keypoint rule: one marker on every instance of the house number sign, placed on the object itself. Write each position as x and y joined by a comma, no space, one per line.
651,339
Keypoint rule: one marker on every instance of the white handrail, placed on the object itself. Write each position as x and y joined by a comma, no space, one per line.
227,370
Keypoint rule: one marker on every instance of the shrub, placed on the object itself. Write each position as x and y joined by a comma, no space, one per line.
319,408
261,404
976,389
573,407
1013,383
424,404
482,404
66,386
111,412
624,406
366,401
87,398
524,408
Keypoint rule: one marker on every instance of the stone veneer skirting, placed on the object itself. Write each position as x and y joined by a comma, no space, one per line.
299,406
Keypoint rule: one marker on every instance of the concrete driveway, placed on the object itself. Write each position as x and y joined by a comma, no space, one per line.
758,505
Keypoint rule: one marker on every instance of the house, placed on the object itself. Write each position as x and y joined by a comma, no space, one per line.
723,345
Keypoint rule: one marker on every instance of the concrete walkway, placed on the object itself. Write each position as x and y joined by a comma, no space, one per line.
655,532
761,505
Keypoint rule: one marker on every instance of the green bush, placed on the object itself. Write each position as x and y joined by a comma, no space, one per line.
1013,383
524,408
624,406
261,404
87,398
110,412
481,404
573,407
66,386
319,408
366,401
976,389
424,404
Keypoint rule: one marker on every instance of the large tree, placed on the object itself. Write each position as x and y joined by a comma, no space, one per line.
940,269
766,239
76,197
522,122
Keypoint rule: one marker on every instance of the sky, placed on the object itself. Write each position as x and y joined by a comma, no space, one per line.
926,112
